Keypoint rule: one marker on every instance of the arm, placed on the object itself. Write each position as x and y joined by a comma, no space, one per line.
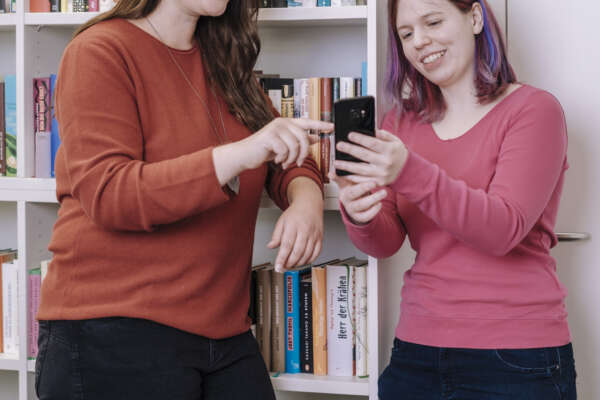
104,150
530,162
382,236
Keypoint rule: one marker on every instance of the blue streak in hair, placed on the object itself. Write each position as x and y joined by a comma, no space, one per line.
488,37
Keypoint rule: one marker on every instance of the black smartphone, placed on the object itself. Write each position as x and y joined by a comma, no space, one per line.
355,114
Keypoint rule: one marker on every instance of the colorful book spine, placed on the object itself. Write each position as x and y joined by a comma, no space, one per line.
306,333
10,312
292,320
2,131
363,76
10,115
54,136
277,322
319,315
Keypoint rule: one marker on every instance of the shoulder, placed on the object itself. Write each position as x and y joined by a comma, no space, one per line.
529,101
105,38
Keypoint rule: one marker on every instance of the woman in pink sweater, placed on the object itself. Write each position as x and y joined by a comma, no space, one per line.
470,166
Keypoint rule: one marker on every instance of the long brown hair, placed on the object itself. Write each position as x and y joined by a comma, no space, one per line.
229,45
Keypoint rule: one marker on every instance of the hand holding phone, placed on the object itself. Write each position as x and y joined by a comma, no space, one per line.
356,114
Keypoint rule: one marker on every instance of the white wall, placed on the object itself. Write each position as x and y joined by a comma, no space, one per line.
556,48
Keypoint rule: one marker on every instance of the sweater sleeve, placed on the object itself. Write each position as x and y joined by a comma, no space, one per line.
103,148
530,162
383,235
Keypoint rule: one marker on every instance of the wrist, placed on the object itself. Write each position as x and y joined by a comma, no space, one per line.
228,161
303,190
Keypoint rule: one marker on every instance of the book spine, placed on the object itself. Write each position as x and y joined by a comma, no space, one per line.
279,3
54,5
54,137
297,104
93,5
326,99
346,87
304,98
277,322
335,93
324,153
364,78
41,104
10,117
34,280
306,358
287,101
10,302
361,322
339,323
263,323
292,322
319,315
42,154
2,133
357,87
314,112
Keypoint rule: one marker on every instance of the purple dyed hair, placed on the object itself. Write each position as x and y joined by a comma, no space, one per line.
493,71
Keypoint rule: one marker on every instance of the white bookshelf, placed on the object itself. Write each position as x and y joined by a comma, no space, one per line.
296,42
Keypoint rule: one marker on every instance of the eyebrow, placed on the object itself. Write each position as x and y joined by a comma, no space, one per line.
423,17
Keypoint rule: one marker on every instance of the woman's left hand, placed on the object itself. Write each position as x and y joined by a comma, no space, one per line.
383,157
298,234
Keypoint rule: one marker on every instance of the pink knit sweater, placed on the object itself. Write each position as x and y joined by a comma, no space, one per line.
479,210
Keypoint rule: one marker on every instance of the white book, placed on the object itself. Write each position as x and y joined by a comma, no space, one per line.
346,3
361,321
304,98
339,320
336,3
105,5
44,268
346,87
296,98
275,96
10,307
42,155
309,3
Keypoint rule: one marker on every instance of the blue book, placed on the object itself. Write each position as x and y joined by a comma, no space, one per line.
323,3
10,114
364,78
293,3
292,318
54,138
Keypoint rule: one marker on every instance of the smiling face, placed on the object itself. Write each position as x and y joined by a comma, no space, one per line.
439,40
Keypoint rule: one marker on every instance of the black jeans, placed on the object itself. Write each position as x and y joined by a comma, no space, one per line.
419,372
129,359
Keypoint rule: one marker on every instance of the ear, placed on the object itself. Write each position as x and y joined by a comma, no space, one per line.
477,18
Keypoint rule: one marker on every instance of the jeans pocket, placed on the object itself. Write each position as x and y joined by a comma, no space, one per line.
541,360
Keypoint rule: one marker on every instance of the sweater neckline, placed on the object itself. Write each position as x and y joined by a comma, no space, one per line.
481,120
191,50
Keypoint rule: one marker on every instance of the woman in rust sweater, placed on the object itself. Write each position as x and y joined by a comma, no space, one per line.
167,143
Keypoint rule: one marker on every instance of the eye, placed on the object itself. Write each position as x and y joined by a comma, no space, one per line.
435,22
405,35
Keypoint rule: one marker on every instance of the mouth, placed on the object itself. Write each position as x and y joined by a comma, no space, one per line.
432,57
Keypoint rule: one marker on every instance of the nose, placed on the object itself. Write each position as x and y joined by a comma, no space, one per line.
420,39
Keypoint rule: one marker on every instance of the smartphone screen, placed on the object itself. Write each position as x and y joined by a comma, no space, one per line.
356,114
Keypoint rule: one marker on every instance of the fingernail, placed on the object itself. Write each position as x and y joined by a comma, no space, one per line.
278,268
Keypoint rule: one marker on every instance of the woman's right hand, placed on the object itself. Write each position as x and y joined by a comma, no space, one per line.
360,204
285,141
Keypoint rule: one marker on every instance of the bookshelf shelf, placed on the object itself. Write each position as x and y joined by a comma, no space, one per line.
301,16
28,189
58,19
321,384
9,363
8,21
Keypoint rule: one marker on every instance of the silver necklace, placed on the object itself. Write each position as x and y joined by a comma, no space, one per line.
212,122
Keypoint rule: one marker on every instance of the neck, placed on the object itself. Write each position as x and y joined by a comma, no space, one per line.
460,97
174,27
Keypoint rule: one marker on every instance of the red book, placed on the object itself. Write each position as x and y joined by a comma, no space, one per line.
39,5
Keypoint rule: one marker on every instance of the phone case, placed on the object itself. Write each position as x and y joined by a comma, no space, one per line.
356,114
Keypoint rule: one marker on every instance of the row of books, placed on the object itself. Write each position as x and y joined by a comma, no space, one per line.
312,98
8,6
45,126
9,294
310,3
68,6
9,304
8,126
312,319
